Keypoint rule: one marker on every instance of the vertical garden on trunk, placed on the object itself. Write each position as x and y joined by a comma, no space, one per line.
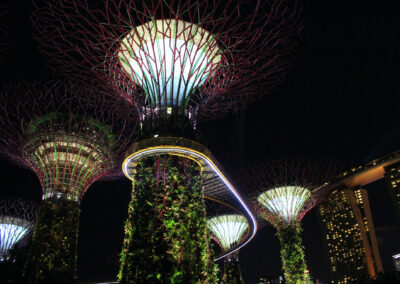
166,214
52,256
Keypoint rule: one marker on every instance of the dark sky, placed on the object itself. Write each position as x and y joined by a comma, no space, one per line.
339,101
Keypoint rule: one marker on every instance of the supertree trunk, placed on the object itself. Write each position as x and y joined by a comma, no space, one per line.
166,238
53,253
232,274
292,254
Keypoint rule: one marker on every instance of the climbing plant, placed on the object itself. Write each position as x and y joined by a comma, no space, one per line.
166,236
292,254
232,273
53,253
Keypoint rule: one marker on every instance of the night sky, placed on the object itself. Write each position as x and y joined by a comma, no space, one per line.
339,101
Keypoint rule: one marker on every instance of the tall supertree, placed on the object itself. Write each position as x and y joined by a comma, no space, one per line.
284,191
17,217
177,62
70,136
228,230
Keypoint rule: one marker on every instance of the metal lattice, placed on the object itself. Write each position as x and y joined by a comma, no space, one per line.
191,58
16,222
69,136
228,230
283,189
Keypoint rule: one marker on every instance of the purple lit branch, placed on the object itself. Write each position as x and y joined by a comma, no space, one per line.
69,135
205,58
283,190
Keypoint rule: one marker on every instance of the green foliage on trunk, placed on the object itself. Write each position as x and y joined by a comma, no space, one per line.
166,236
232,273
53,253
292,254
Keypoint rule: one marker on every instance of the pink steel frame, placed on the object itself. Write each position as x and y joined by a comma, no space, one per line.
80,108
296,171
257,39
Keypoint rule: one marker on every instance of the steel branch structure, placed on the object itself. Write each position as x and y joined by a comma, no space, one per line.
200,59
285,205
177,62
70,136
286,189
17,217
283,193
228,230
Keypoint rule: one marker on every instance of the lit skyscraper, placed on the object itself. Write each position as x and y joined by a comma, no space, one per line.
349,236
392,178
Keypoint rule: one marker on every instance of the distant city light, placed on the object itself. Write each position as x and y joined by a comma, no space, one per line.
285,202
228,229
169,59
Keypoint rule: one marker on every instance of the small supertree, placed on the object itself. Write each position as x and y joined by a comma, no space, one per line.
228,230
70,136
17,217
176,62
283,192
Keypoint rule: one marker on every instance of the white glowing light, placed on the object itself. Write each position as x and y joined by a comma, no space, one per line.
228,229
12,230
213,167
169,59
285,202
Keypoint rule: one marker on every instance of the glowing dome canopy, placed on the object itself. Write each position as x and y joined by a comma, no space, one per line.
169,59
68,154
12,230
228,229
285,203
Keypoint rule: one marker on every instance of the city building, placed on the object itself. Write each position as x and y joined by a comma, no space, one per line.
349,236
392,178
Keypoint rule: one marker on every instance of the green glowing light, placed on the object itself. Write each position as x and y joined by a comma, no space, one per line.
228,229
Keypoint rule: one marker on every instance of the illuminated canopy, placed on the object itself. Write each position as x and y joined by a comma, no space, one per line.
12,230
169,59
228,229
285,203
68,153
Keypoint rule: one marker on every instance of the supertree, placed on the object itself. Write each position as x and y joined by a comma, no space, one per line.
17,217
228,230
177,62
284,190
70,136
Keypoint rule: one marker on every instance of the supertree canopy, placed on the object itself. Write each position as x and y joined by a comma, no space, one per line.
197,59
169,60
286,204
284,191
176,62
68,152
228,230
70,136
16,222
